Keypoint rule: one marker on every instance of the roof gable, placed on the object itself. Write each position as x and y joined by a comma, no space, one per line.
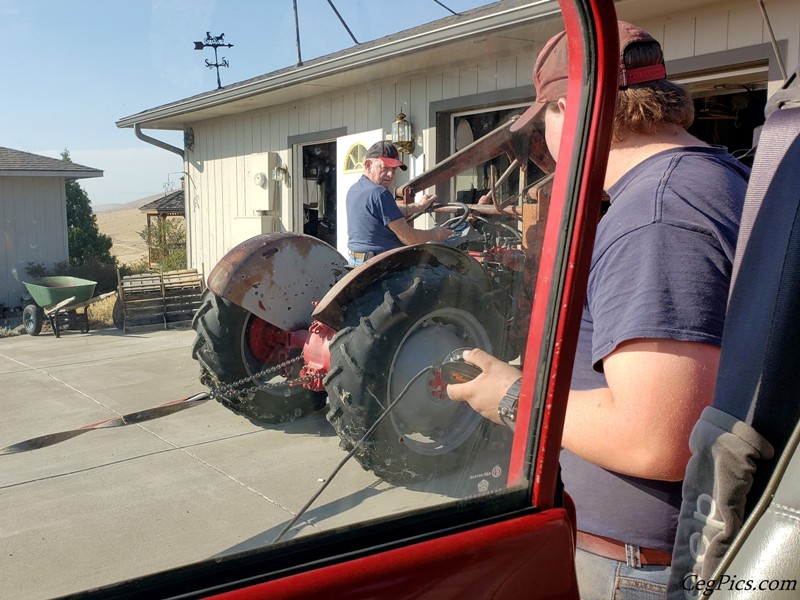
16,163
171,204
508,22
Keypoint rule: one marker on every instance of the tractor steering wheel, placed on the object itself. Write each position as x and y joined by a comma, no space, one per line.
453,222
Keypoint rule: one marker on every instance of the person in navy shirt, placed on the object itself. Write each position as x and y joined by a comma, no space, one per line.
375,221
649,346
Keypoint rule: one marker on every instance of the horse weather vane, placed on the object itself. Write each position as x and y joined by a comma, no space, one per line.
214,41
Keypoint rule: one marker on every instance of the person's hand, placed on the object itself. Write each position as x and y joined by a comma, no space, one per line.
485,391
426,202
441,234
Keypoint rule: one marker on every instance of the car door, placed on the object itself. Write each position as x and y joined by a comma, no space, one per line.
510,540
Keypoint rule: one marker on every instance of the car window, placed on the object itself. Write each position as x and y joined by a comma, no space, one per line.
278,396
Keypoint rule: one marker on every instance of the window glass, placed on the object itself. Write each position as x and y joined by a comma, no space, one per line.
177,413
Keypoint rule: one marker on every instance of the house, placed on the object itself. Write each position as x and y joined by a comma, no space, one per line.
277,152
33,216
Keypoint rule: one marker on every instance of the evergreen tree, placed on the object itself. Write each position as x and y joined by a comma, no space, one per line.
86,243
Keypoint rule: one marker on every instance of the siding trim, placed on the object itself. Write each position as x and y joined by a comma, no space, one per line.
727,60
315,136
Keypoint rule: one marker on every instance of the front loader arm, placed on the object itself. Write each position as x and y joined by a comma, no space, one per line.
526,142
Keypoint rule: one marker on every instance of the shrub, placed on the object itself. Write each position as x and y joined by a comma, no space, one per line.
166,241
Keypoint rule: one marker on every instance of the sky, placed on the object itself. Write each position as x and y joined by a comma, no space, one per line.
72,69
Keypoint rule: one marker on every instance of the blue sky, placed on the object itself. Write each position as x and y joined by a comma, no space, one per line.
72,69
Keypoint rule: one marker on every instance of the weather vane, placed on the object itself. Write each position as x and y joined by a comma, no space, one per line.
214,41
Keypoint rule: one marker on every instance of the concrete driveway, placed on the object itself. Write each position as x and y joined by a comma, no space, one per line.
112,504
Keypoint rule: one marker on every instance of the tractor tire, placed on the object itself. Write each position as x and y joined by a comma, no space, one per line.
32,319
222,347
398,327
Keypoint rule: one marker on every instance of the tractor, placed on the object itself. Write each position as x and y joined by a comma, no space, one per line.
285,323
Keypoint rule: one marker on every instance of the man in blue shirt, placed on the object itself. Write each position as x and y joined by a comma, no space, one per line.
375,221
648,350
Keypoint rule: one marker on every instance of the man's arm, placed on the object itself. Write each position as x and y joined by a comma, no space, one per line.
408,235
640,424
410,208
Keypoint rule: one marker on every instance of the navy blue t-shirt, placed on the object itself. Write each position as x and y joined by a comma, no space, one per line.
370,209
661,268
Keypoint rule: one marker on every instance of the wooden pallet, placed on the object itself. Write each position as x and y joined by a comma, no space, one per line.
159,298
183,293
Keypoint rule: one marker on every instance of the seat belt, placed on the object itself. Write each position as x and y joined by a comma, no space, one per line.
755,407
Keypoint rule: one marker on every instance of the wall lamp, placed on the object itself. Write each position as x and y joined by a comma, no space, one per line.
402,134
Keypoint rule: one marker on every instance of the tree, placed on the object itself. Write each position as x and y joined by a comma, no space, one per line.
85,240
166,243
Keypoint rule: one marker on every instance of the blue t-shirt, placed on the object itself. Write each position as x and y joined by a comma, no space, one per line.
661,268
370,209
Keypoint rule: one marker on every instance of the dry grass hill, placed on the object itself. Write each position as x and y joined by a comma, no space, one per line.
122,223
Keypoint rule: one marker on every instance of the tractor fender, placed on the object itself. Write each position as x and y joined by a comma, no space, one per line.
278,277
330,309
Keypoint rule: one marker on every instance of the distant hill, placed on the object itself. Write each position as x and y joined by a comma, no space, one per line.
132,205
122,223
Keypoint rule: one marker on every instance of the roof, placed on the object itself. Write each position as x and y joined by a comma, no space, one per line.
15,163
170,204
511,25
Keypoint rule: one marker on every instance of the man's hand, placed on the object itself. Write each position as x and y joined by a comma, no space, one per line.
426,202
412,209
485,391
441,234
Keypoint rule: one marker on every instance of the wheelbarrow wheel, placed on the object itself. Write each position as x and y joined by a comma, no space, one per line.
32,319
117,315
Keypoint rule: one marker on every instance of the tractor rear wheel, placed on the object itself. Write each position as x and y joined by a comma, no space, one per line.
233,344
393,331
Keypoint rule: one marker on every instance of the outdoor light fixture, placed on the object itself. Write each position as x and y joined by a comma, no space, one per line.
402,134
281,173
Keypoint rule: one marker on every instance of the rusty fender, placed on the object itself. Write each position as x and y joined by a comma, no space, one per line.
331,308
278,277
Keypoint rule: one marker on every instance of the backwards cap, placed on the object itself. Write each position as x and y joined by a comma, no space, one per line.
552,68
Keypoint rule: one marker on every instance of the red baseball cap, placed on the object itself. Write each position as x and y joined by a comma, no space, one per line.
552,69
388,153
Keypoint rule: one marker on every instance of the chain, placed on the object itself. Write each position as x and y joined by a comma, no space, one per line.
223,390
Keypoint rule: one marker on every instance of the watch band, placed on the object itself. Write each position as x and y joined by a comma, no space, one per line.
507,409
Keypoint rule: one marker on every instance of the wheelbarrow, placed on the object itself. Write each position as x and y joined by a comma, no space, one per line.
59,299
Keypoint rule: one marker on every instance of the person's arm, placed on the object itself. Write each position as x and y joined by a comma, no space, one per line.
408,235
411,209
640,424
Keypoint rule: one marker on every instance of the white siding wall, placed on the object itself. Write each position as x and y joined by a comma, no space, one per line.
218,190
33,228
726,26
221,191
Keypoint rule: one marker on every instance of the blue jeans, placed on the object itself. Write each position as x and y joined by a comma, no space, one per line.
605,579
354,262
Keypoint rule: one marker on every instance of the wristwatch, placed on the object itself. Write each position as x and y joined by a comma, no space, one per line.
507,409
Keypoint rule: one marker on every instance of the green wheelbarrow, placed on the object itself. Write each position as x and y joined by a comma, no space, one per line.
59,299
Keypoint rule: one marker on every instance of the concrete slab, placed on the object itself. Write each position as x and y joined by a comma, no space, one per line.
122,520
111,504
